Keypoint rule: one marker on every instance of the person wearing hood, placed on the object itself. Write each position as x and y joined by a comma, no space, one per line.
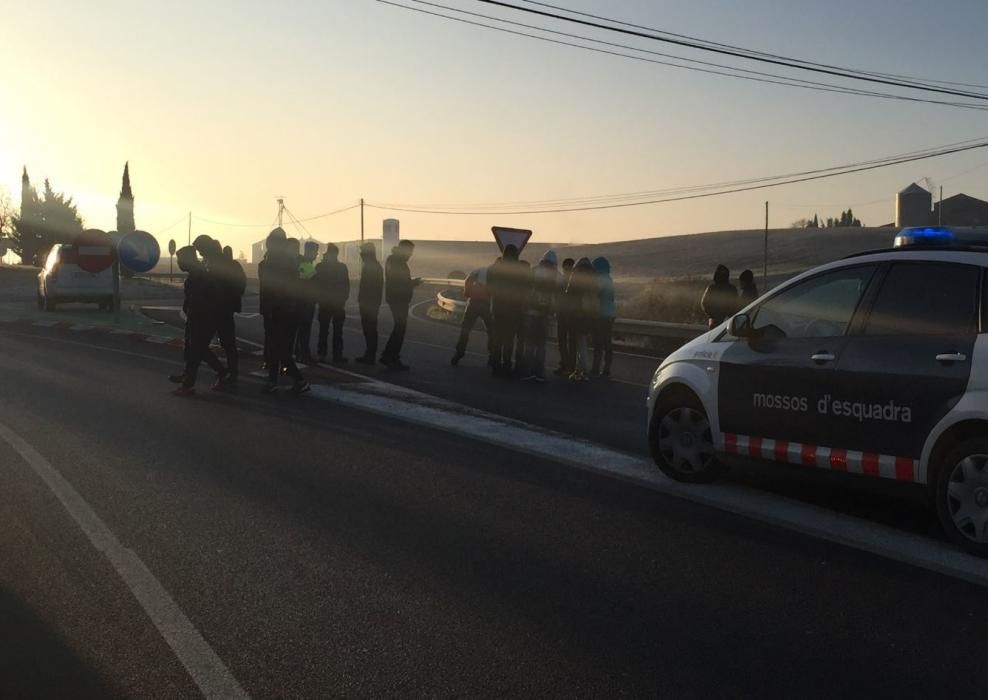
370,293
478,297
508,280
282,276
604,325
332,283
749,292
399,286
583,304
201,299
720,299
230,281
266,292
541,303
563,335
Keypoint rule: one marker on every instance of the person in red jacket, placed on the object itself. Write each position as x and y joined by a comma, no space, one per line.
478,298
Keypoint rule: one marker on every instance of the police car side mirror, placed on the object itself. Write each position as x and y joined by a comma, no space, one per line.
741,326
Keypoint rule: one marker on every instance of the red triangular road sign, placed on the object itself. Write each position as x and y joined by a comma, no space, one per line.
517,237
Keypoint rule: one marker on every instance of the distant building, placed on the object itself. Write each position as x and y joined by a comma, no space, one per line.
914,206
390,234
961,210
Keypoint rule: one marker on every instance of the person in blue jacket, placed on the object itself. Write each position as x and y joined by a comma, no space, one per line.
604,324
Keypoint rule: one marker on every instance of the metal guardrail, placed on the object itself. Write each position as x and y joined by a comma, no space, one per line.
622,326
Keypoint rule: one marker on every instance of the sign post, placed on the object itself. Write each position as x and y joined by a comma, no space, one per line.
517,237
171,257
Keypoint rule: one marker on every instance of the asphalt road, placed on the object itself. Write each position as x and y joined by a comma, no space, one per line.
320,552
609,412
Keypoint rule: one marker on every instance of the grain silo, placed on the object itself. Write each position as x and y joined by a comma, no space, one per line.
389,239
913,206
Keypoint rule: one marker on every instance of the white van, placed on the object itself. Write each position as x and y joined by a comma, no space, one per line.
61,281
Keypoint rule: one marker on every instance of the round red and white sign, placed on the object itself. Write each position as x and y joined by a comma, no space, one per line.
94,250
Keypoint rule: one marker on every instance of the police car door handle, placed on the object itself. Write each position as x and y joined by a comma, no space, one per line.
822,357
951,357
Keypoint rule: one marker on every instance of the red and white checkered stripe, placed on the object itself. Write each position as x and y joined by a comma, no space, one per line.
834,458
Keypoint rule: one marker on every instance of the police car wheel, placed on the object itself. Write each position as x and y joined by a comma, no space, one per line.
682,440
962,495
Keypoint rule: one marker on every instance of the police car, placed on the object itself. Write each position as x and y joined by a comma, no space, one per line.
876,364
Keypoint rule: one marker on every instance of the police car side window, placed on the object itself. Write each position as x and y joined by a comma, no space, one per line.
819,307
927,298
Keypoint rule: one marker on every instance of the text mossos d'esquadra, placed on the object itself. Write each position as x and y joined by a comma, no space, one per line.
827,405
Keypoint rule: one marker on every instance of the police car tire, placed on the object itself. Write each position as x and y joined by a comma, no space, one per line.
944,474
670,402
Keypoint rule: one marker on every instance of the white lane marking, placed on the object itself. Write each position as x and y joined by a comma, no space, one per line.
423,409
203,665
45,324
161,339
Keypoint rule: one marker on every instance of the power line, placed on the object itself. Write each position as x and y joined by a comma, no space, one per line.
731,72
170,227
788,79
493,207
691,196
226,223
781,61
330,213
751,51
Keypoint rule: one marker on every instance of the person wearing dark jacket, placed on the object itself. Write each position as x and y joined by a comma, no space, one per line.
398,289
282,278
478,298
306,303
230,282
562,320
749,292
265,291
509,282
332,284
199,305
583,303
370,293
541,304
603,349
720,299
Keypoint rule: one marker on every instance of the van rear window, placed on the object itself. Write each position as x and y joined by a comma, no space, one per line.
67,254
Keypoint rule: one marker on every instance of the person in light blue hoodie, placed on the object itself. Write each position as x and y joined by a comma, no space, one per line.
604,324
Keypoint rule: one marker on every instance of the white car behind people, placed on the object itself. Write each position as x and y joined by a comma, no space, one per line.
62,281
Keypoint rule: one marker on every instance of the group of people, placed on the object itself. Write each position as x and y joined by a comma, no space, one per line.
516,301
518,304
295,291
722,299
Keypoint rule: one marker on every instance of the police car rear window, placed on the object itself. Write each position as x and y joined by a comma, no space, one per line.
926,299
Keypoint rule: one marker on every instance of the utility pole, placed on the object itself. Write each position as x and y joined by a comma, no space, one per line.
940,208
281,210
190,228
361,219
765,256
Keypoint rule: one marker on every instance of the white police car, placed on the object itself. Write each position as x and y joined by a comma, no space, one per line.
876,365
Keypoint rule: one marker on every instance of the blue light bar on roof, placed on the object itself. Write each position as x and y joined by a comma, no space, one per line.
928,236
